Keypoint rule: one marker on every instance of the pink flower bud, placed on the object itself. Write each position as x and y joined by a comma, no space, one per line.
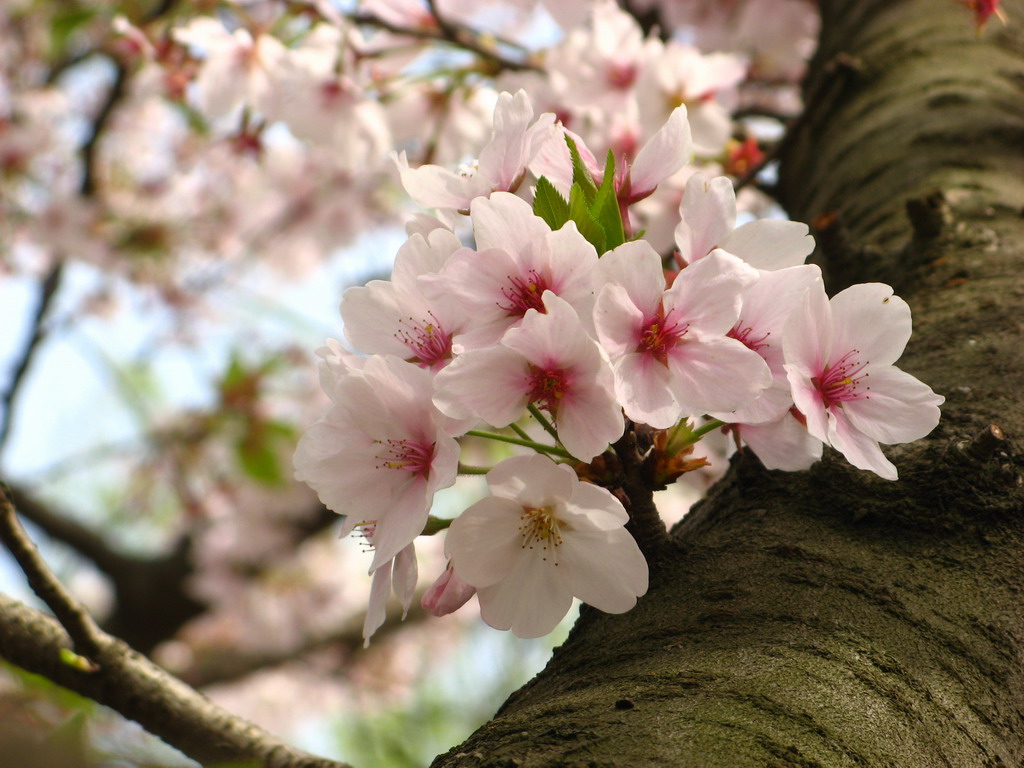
447,594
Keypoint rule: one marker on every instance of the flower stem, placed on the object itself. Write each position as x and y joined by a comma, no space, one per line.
535,412
469,469
519,441
519,431
698,433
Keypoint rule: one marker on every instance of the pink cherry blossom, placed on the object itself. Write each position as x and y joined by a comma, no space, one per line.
519,258
707,220
447,594
839,358
669,349
542,538
550,361
394,317
380,453
501,166
766,307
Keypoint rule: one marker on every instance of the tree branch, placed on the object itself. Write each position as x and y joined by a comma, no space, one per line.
121,678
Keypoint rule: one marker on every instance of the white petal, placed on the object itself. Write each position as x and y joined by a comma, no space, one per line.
869,318
532,481
665,152
718,374
643,387
859,449
770,244
783,444
530,601
708,214
606,569
898,409
484,542
489,383
707,294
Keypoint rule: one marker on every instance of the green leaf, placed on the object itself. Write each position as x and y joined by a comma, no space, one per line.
73,660
580,174
579,212
605,207
258,458
550,205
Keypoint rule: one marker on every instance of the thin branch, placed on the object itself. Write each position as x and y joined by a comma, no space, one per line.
139,690
47,290
80,627
62,528
119,677
348,638
458,37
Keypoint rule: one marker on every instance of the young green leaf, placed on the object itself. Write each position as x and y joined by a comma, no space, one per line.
605,207
550,205
579,212
580,173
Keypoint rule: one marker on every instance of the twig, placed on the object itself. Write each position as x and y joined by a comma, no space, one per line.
80,627
119,677
458,38
47,290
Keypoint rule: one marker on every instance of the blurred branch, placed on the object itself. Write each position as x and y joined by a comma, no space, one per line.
347,638
47,290
132,685
446,33
79,625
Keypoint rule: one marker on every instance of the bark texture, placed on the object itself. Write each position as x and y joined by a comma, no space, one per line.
831,618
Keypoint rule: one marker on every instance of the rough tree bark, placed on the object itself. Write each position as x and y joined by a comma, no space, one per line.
831,618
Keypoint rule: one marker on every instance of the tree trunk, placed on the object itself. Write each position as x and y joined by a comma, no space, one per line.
828,617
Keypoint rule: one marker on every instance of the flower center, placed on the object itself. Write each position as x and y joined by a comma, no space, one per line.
430,344
843,381
660,334
547,387
408,455
523,294
749,337
539,527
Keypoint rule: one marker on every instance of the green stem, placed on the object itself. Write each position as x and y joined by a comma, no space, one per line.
698,433
469,469
519,431
535,411
519,441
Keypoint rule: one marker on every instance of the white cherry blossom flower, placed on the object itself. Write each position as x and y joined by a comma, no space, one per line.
839,358
380,453
669,349
501,166
518,259
550,361
393,317
542,538
707,220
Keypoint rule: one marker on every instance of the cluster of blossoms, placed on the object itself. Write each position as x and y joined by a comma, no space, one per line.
564,323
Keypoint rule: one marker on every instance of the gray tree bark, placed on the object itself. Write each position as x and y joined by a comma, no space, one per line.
831,618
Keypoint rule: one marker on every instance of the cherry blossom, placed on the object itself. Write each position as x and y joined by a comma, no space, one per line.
839,358
518,259
394,317
400,574
669,349
380,453
550,361
540,539
707,220
447,594
501,166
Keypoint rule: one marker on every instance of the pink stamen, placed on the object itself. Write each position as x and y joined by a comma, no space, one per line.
660,334
407,455
524,294
747,336
430,344
843,382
